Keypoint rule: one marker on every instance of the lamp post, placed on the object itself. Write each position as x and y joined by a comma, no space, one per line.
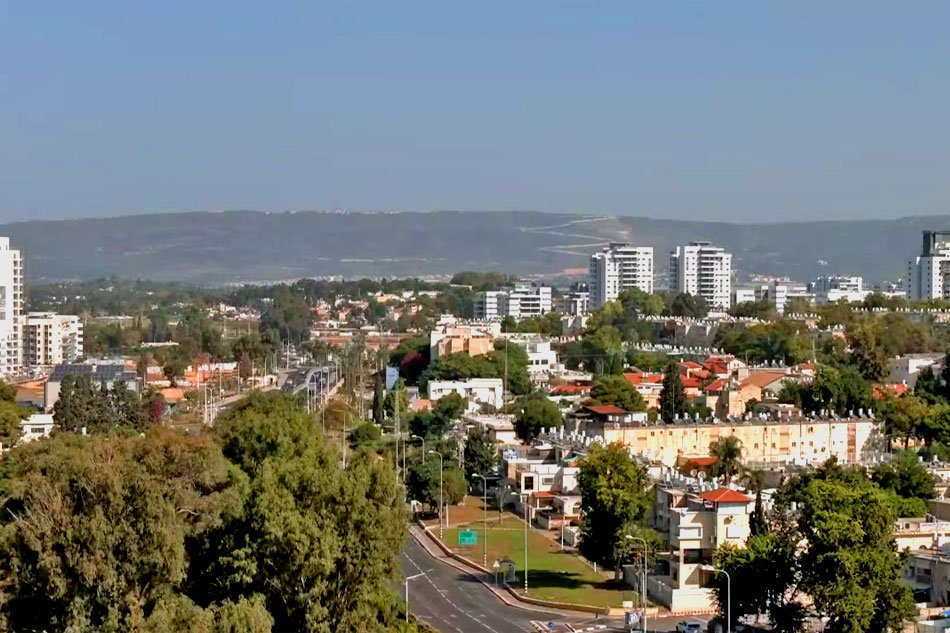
418,437
484,519
408,578
524,502
643,583
440,492
716,570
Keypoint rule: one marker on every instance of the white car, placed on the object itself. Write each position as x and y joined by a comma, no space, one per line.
689,627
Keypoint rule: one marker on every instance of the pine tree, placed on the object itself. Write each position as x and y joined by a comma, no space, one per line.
673,396
757,523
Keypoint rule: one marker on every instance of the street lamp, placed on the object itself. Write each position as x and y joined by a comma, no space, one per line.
524,502
408,578
643,584
484,519
728,593
440,492
419,437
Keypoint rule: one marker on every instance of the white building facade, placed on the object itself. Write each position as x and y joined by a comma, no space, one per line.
617,268
523,300
701,269
11,309
476,391
929,272
51,339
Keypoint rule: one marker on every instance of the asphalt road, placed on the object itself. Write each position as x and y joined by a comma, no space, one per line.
453,601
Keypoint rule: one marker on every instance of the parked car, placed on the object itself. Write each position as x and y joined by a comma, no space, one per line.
689,627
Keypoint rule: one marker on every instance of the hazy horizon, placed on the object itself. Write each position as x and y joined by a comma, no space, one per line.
739,112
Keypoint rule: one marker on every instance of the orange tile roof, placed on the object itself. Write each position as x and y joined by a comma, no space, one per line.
422,404
717,385
703,461
606,409
725,495
763,379
690,382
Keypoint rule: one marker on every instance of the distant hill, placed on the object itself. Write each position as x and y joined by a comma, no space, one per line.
212,248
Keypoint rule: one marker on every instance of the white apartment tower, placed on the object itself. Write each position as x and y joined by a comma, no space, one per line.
617,268
11,309
701,269
926,272
52,339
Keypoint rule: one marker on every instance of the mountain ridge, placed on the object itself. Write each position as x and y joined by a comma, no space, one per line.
214,247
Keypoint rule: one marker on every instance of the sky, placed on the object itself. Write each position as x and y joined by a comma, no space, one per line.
758,111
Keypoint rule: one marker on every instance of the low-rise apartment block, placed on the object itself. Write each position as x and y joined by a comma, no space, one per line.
52,339
520,301
801,440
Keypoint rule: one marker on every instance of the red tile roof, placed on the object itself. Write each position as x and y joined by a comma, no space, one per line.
725,495
703,461
606,409
717,385
689,382
690,364
571,389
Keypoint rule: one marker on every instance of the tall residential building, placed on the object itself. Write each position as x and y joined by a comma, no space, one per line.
617,268
575,301
52,339
926,272
522,300
11,309
703,270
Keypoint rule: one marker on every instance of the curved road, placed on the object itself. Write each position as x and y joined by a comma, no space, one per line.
454,601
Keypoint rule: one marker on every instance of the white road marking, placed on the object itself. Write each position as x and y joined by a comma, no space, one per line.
452,604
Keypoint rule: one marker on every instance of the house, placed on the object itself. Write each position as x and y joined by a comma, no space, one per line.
610,414
649,386
695,525
500,428
38,425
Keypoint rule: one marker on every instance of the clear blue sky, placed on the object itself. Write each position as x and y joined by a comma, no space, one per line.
722,110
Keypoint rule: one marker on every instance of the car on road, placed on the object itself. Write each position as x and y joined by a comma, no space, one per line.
689,627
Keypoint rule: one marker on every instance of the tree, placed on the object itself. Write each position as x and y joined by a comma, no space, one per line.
850,567
364,434
436,423
728,453
96,530
616,390
687,305
672,396
317,542
422,483
614,495
536,412
397,397
479,454
906,477
765,577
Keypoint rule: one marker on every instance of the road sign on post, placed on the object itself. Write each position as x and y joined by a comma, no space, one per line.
468,537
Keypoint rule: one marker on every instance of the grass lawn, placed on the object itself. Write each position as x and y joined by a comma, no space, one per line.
552,574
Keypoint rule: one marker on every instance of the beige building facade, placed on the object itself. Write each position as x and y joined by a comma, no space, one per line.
801,440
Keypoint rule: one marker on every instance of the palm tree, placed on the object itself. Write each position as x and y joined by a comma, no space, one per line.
728,453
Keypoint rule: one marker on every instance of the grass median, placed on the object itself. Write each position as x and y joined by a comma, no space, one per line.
552,574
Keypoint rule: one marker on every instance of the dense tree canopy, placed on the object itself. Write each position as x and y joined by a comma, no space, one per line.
535,412
254,528
618,391
615,495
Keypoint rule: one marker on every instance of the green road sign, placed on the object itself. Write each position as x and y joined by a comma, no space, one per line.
468,537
